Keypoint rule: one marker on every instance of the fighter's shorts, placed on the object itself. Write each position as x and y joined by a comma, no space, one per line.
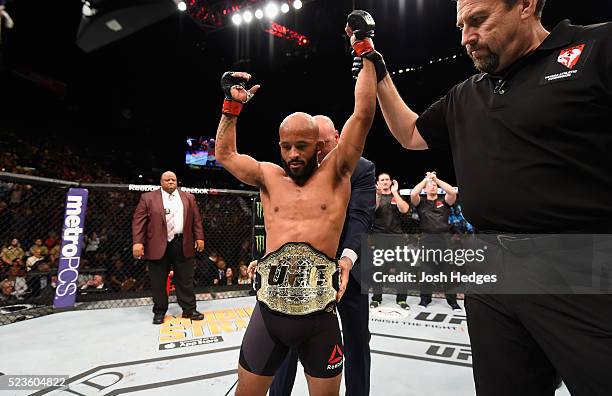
295,309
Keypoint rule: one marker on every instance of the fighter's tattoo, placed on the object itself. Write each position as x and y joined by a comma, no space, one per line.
225,123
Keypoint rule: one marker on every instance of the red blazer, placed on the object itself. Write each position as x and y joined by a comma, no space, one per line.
149,224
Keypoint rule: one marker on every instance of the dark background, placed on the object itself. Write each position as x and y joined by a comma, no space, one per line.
135,101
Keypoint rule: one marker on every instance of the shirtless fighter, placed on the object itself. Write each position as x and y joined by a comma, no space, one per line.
304,209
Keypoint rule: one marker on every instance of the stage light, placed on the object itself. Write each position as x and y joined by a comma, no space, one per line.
247,16
88,10
258,13
285,8
271,10
236,19
182,6
297,4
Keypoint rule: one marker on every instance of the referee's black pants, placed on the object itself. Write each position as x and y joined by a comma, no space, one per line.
183,278
520,343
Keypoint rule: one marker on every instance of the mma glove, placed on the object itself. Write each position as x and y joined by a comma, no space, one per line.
362,26
376,58
232,106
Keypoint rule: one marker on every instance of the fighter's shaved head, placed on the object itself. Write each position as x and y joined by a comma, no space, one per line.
299,124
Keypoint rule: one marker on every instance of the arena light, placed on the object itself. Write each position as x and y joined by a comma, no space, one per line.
259,13
182,6
271,10
297,4
247,16
284,8
284,32
237,19
88,10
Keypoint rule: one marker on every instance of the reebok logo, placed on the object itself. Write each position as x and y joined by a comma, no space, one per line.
335,359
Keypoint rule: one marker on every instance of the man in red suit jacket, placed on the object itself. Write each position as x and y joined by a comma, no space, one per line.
166,231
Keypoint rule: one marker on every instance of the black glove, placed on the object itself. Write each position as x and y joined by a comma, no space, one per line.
361,23
376,58
362,26
230,105
228,81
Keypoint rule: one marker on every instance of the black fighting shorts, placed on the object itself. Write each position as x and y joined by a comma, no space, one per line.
269,336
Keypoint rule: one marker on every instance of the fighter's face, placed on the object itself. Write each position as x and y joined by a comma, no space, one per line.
431,188
168,182
384,181
299,156
489,32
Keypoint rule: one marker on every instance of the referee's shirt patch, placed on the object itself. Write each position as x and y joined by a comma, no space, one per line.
567,63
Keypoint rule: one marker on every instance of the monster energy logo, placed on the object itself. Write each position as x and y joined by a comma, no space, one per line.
260,242
259,207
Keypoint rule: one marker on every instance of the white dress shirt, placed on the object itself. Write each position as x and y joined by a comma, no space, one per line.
174,204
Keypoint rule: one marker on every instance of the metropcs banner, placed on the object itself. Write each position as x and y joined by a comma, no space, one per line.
72,244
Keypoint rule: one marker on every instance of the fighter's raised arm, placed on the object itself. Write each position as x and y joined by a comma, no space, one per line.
400,119
244,167
355,130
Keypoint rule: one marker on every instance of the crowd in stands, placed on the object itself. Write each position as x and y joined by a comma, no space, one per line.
47,157
31,217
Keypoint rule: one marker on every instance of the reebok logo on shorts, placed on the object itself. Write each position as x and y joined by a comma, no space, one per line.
335,360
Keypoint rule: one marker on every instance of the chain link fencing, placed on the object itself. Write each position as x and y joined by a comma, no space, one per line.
31,218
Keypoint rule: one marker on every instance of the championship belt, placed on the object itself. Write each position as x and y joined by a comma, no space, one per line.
296,279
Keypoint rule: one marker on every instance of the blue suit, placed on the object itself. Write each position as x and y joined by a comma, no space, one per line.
353,308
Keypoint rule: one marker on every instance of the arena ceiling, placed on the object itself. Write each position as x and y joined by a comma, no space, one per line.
160,84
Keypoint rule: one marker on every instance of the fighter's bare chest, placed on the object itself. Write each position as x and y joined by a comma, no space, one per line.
313,201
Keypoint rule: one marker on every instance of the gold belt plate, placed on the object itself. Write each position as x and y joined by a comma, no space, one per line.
296,279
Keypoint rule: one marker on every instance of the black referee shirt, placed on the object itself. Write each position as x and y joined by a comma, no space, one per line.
532,147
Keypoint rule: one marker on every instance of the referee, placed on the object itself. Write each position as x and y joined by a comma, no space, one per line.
538,118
